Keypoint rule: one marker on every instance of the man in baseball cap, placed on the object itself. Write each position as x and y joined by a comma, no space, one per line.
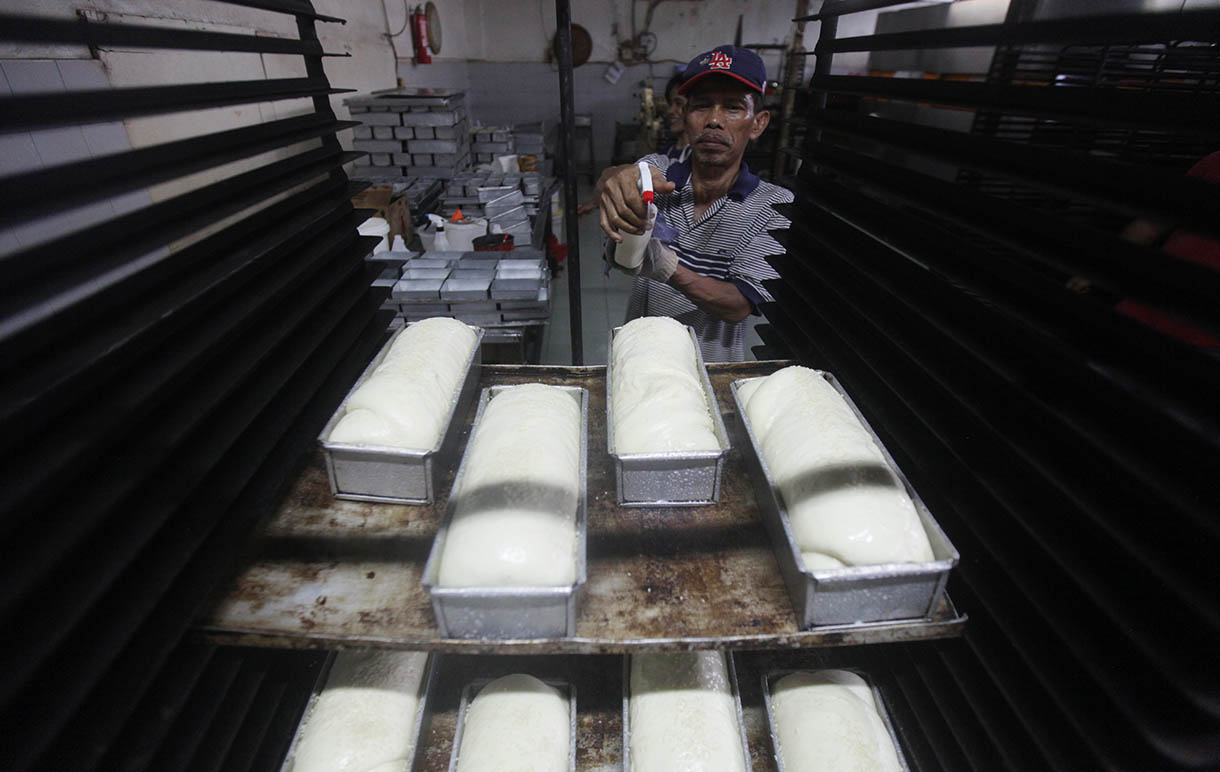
706,262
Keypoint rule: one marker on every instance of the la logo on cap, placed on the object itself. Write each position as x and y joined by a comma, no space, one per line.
721,61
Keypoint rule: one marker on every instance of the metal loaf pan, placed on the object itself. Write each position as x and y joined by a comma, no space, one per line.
510,612
855,594
472,690
425,694
741,719
397,475
674,479
772,676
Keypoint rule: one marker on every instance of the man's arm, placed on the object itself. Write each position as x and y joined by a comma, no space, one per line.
618,197
721,299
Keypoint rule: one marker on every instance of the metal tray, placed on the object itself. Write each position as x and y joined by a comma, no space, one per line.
397,475
510,612
465,289
474,687
771,676
425,693
673,479
855,594
741,718
422,290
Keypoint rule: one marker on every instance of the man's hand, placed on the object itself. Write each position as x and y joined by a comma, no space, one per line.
618,196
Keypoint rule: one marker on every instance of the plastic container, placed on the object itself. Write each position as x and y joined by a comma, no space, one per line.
629,253
376,226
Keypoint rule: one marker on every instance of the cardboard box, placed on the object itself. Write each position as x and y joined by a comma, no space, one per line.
395,211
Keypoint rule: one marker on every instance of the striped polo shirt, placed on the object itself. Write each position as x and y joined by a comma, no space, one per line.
729,242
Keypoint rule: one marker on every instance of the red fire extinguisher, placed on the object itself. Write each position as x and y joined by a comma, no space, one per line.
419,36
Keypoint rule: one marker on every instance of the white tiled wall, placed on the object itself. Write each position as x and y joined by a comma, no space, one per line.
42,148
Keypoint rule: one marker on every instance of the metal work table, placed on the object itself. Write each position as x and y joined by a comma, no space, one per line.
336,574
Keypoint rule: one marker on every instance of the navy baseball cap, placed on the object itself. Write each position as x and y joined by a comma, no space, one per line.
740,63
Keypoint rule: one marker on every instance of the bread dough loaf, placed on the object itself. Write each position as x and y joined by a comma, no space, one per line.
364,718
683,716
845,504
405,401
827,721
659,404
516,724
514,521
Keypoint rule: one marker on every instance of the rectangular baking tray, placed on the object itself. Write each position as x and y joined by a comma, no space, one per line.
741,718
855,594
472,690
771,676
422,290
682,479
417,721
398,475
513,288
510,612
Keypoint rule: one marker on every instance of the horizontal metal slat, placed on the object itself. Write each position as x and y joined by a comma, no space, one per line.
1202,25
1039,640
279,733
188,444
154,712
66,445
832,8
188,731
224,728
1106,260
1071,624
295,7
247,735
1076,341
42,110
957,324
1008,729
45,309
1140,191
33,29
1195,113
53,382
321,384
148,591
961,720
41,192
937,730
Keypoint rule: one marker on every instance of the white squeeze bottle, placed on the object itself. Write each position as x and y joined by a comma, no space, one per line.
629,253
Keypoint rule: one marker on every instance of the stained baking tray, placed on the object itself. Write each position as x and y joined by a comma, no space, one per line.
472,690
855,594
425,693
772,676
397,475
674,479
741,719
510,612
